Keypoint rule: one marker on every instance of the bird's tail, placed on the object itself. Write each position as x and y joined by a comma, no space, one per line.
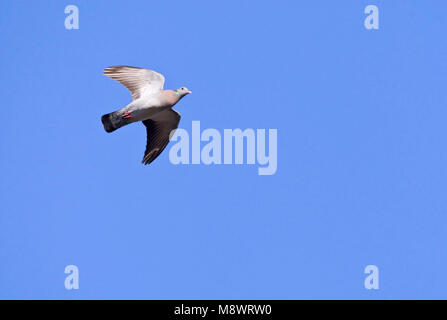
113,121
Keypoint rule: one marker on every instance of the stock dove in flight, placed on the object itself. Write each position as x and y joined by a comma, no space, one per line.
150,104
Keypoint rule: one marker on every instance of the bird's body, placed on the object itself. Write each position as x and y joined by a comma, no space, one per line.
151,104
146,106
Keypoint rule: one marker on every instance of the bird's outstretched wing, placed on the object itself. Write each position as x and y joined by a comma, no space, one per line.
137,80
159,129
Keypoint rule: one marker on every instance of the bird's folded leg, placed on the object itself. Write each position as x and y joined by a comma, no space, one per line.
127,115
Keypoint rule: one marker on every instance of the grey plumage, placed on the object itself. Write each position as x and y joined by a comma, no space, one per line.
137,80
159,128
150,104
113,121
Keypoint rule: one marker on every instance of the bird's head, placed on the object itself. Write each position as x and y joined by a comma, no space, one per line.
183,91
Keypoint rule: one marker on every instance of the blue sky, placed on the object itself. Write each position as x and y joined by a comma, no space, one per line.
361,173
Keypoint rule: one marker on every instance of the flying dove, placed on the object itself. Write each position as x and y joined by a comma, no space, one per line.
150,104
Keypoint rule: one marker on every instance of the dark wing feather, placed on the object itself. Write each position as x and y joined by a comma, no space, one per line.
159,130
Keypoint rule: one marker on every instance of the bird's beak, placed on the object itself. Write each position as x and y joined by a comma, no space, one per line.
188,92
